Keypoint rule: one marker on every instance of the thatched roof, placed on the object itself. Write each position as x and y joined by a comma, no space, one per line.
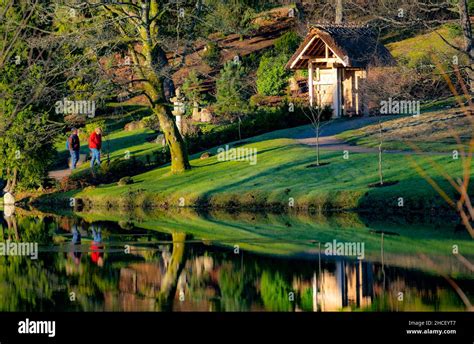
359,46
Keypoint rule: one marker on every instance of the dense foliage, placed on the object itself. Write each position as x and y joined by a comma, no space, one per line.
231,90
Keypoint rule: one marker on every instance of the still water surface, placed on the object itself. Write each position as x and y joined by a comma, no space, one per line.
232,262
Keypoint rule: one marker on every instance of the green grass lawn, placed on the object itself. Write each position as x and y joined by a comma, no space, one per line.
281,174
414,50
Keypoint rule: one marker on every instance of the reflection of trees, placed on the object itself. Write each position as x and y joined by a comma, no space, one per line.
36,229
27,229
88,281
236,287
274,290
25,284
12,226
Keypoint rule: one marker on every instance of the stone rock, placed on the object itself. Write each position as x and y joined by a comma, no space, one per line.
134,126
294,86
205,155
196,116
160,139
8,199
206,115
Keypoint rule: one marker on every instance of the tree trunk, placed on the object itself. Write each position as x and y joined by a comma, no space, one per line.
339,15
11,180
174,140
468,45
317,143
159,89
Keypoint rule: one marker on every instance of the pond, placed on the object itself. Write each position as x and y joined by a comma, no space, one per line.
181,260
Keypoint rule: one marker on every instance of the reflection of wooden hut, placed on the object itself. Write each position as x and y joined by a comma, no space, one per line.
337,58
349,285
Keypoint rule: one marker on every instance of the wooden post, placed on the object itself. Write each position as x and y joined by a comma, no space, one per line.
337,93
356,88
310,83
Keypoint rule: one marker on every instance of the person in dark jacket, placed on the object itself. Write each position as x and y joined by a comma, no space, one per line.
74,146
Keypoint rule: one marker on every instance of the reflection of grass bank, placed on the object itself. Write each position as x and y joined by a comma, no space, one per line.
279,176
299,235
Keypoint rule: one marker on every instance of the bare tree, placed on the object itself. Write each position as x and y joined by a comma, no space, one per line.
315,115
381,85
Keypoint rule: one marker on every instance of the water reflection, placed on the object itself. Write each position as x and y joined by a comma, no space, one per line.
103,265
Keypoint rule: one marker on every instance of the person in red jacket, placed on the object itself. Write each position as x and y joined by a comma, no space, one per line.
95,144
97,247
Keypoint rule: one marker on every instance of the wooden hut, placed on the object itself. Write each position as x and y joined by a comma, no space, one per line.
338,58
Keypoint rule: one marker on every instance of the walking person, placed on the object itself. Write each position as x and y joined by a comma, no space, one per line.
95,144
74,147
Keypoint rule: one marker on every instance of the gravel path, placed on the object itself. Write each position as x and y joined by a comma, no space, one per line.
60,174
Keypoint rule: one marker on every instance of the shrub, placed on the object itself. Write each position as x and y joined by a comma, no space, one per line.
272,77
262,121
229,17
151,122
211,56
192,90
89,128
287,44
454,29
231,90
122,167
125,181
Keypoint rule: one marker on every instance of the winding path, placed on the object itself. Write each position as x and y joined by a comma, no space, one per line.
60,174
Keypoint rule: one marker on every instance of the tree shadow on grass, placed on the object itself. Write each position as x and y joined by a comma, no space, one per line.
264,175
120,143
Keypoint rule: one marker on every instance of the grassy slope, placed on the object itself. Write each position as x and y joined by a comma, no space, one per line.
429,132
280,173
415,49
